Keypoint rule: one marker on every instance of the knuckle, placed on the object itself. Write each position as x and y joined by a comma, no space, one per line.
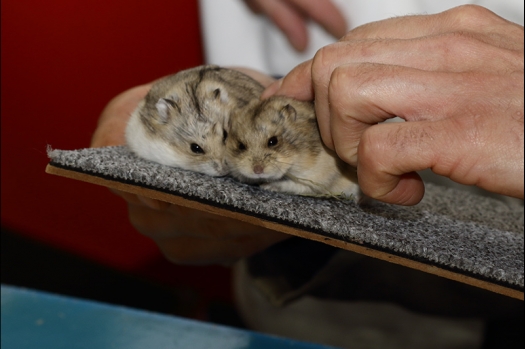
351,81
368,144
347,36
472,16
320,62
325,59
472,11
343,92
382,143
339,85
347,154
370,148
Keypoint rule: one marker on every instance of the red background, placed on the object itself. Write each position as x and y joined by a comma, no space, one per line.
62,61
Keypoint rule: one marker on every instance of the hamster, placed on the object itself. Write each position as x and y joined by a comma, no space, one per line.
183,120
276,143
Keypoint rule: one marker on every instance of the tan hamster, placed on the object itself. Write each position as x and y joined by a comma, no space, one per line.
276,142
183,120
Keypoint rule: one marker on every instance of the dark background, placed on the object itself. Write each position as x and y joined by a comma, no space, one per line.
62,61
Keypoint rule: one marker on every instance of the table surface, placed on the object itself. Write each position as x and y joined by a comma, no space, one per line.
35,319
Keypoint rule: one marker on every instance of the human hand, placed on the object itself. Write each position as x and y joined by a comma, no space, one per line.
112,122
290,17
457,79
184,235
189,236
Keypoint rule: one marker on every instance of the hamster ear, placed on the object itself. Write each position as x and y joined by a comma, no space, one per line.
288,112
165,108
220,93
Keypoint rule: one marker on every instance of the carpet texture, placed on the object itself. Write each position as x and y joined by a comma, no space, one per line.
453,229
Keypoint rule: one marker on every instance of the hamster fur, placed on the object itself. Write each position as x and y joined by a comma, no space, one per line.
183,120
276,143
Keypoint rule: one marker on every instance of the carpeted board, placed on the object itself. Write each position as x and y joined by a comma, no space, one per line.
452,233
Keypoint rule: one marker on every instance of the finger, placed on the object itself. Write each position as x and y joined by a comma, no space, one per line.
453,52
128,197
253,5
457,52
390,154
153,223
325,13
288,20
311,78
462,18
153,204
296,84
362,95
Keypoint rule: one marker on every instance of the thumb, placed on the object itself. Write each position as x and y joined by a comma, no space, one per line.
389,155
296,84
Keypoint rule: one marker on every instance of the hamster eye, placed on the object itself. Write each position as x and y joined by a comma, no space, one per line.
196,148
272,141
216,93
224,135
242,146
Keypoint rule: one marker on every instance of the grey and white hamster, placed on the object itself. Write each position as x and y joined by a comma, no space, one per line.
276,143
183,120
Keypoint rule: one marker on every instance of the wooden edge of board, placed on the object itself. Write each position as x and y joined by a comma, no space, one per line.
177,200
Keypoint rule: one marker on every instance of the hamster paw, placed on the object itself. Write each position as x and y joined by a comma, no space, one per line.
273,186
286,186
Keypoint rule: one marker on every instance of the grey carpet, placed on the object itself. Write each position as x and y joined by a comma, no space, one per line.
453,229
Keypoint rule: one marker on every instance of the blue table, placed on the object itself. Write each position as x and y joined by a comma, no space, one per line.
39,320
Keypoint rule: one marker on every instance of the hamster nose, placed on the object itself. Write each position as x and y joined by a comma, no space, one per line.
258,169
